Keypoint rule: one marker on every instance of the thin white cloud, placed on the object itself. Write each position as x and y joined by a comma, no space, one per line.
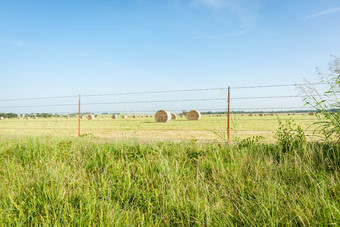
216,4
233,34
18,43
322,13
245,10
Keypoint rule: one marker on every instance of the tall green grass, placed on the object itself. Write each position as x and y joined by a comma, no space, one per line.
68,181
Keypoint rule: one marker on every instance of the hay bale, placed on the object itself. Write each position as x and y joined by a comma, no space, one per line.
27,118
114,116
133,116
260,115
124,117
1,118
90,117
35,118
18,117
162,116
311,113
193,115
67,117
173,116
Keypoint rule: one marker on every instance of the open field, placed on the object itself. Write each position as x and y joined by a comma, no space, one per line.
209,128
85,181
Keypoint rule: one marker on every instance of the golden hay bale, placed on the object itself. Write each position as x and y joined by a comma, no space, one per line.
250,115
311,113
133,116
1,118
114,116
271,114
18,117
193,115
35,118
162,116
67,117
90,117
124,117
173,116
27,118
260,115
82,117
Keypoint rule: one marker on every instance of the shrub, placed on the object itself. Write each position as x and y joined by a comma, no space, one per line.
290,136
326,102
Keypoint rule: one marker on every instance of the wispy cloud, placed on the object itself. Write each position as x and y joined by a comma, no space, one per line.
322,13
18,43
216,4
245,10
233,34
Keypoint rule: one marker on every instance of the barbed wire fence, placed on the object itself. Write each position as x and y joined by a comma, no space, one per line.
228,116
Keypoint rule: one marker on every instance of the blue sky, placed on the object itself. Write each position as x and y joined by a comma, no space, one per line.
67,47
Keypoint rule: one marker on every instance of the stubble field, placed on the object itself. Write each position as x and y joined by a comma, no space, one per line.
207,129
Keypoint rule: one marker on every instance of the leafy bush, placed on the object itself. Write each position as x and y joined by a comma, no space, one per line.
290,136
247,142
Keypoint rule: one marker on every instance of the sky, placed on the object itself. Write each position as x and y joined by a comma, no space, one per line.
71,47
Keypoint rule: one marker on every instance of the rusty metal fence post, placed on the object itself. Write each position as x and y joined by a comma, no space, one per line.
228,114
79,117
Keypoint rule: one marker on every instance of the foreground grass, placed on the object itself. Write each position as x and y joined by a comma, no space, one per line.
69,181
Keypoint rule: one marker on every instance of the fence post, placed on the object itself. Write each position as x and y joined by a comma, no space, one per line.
79,117
228,113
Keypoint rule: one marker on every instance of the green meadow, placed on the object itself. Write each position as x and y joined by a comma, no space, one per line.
50,180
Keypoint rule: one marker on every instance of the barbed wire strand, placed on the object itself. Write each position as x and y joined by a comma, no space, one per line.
162,91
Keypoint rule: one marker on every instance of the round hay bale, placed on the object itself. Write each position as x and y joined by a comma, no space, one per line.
27,118
67,117
90,117
193,115
162,116
82,117
311,113
35,118
133,116
18,117
114,116
173,116
1,118
124,117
